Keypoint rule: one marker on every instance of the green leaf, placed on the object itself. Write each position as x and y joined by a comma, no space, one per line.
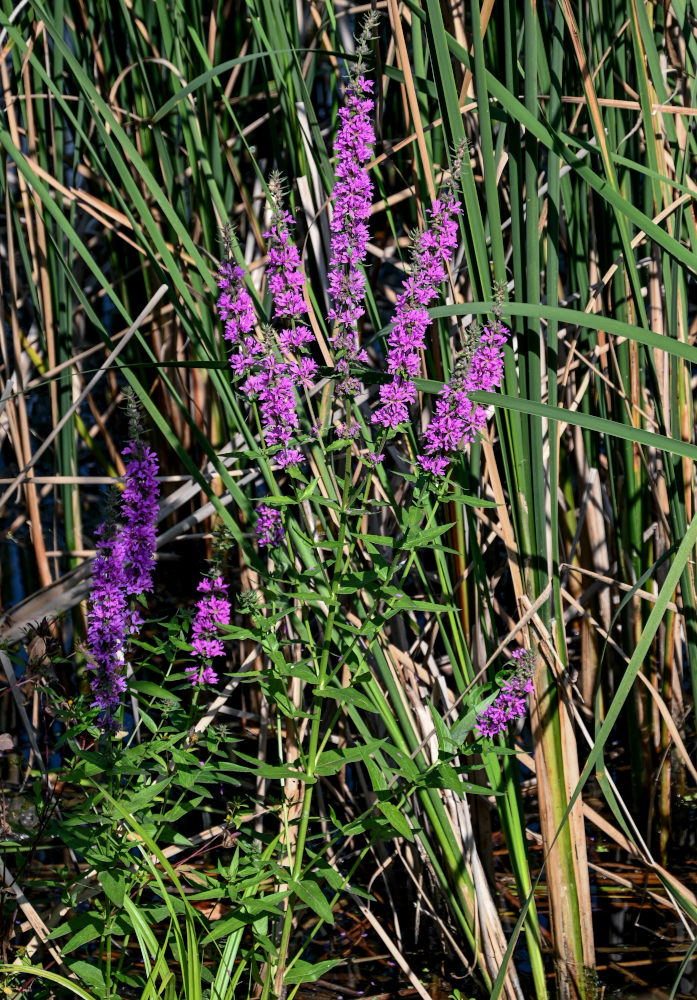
396,818
114,885
88,973
332,761
335,445
626,432
444,775
422,538
412,515
464,726
412,604
154,690
346,696
446,743
308,972
91,930
146,796
147,719
311,894
231,923
309,490
478,502
52,977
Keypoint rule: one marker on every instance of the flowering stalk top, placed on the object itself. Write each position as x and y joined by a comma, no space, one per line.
285,275
270,376
430,252
353,193
212,610
139,506
457,420
510,702
123,568
269,527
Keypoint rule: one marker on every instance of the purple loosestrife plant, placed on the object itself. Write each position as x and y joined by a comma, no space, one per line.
273,385
270,376
123,569
212,610
457,420
236,313
286,278
235,307
353,194
269,527
406,341
139,506
510,702
286,282
268,379
107,625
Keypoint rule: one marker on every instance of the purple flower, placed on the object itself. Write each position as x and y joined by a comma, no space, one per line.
107,625
122,568
212,610
295,339
353,194
139,507
269,378
201,675
435,464
285,274
303,371
289,456
510,702
457,420
269,527
235,307
396,397
406,341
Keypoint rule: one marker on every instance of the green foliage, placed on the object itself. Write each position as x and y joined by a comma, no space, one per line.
132,133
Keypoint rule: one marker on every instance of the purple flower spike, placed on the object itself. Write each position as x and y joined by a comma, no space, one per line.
107,625
457,420
353,195
406,341
235,307
123,568
139,506
269,528
269,379
295,340
510,702
214,609
286,278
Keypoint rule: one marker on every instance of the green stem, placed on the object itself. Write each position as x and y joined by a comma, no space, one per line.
315,726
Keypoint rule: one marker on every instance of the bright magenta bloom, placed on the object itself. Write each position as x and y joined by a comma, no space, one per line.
269,527
353,194
123,568
510,702
457,420
406,340
214,609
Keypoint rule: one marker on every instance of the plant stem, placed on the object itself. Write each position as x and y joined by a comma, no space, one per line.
315,725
